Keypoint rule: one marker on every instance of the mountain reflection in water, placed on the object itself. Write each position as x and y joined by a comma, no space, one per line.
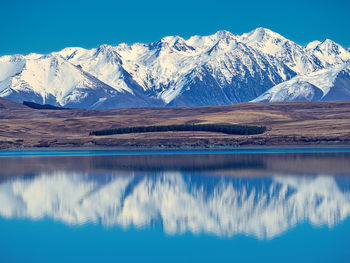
178,202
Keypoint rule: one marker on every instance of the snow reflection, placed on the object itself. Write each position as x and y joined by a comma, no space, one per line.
263,207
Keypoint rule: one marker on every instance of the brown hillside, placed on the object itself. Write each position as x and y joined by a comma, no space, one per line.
288,124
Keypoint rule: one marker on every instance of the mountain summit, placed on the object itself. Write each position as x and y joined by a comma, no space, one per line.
219,69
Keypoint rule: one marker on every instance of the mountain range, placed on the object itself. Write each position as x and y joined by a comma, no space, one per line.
219,69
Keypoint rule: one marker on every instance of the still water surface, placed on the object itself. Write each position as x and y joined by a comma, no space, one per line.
185,207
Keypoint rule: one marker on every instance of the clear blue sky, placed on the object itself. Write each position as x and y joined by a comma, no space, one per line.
45,26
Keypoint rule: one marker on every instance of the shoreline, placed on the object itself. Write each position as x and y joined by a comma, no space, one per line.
98,151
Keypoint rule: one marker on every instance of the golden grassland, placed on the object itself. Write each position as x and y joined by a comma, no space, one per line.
292,123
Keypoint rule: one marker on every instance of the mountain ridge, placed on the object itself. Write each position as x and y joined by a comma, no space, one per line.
219,69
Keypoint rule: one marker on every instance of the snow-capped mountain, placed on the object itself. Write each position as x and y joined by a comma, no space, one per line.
302,60
219,69
326,84
224,206
52,79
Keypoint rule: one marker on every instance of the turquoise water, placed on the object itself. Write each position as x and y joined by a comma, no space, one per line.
216,207
47,241
44,152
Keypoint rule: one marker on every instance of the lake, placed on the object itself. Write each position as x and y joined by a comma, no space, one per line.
250,205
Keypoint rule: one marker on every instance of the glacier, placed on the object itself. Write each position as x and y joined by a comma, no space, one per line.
218,69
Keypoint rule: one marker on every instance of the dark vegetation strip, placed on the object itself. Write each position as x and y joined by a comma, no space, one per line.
42,106
223,128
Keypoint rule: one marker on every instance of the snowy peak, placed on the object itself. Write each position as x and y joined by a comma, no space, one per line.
277,46
331,53
223,34
104,63
224,45
108,54
180,45
312,45
71,52
314,86
204,43
171,44
267,41
171,40
10,66
54,80
329,46
261,35
49,76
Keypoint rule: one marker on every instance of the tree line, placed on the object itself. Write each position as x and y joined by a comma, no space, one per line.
42,106
223,128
